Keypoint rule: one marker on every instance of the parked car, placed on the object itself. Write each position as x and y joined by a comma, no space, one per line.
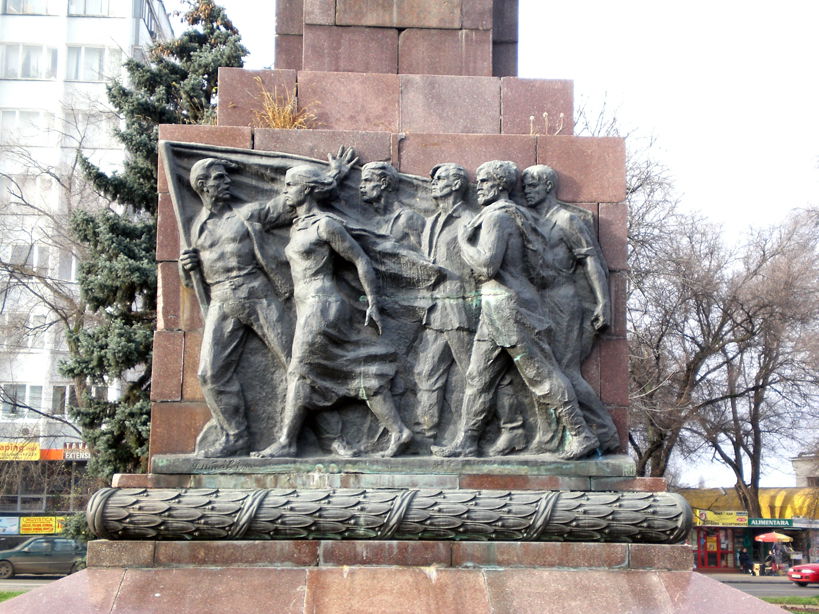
802,575
46,555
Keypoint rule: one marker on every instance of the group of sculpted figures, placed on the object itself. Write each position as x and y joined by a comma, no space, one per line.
504,289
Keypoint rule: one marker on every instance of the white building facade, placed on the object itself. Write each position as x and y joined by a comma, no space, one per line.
55,59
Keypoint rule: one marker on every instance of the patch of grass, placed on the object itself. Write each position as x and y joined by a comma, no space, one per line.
793,600
281,110
4,595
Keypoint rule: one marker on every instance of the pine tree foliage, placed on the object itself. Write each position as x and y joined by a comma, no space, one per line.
177,84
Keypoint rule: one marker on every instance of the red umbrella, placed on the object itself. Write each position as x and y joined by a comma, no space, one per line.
773,536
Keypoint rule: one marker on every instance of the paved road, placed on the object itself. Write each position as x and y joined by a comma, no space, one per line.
765,586
26,583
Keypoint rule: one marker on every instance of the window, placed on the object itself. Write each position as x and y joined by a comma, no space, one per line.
67,266
58,400
92,63
30,7
149,18
90,129
95,8
64,545
61,398
27,127
22,255
15,399
32,257
28,61
12,297
36,333
32,188
12,397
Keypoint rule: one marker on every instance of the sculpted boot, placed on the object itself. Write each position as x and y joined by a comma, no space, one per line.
510,440
610,446
584,441
466,444
580,446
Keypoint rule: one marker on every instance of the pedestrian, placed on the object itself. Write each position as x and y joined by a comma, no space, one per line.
746,563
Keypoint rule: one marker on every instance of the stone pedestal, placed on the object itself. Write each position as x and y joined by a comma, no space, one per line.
390,578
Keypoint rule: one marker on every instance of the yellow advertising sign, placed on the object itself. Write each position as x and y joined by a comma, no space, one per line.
720,519
41,525
19,451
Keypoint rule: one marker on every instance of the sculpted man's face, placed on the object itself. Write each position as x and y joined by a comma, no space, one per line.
217,184
444,183
535,189
371,186
489,188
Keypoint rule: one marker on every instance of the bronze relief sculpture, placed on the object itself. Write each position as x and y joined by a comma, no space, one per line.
391,314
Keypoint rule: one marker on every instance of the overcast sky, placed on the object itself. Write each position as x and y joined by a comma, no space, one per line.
728,88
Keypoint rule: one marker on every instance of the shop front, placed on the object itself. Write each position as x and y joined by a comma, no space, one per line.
720,536
720,531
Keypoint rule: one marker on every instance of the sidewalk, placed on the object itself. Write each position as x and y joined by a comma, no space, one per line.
746,578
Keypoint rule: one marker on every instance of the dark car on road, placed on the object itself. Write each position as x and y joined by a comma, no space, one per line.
43,555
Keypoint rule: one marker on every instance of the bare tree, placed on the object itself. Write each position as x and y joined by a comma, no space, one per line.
722,342
42,186
723,339
765,396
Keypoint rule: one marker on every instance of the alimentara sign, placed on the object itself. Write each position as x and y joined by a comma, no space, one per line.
770,522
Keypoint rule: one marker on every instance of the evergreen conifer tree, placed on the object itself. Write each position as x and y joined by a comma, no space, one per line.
177,84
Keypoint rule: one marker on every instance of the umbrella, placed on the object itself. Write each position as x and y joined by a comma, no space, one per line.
773,536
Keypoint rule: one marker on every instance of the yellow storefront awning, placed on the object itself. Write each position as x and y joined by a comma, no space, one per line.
774,502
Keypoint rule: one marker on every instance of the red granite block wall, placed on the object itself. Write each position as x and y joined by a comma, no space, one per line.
445,52
455,37
242,91
350,49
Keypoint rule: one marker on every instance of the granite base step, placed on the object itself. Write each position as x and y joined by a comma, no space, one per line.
385,590
435,554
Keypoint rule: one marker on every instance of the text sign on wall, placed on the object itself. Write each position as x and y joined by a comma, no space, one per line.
720,519
770,522
76,454
41,525
19,451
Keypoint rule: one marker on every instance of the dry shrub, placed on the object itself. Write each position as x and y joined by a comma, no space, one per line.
280,110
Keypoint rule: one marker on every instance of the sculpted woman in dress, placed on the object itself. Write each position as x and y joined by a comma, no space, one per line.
337,349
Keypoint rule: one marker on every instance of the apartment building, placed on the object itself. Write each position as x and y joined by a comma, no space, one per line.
55,59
